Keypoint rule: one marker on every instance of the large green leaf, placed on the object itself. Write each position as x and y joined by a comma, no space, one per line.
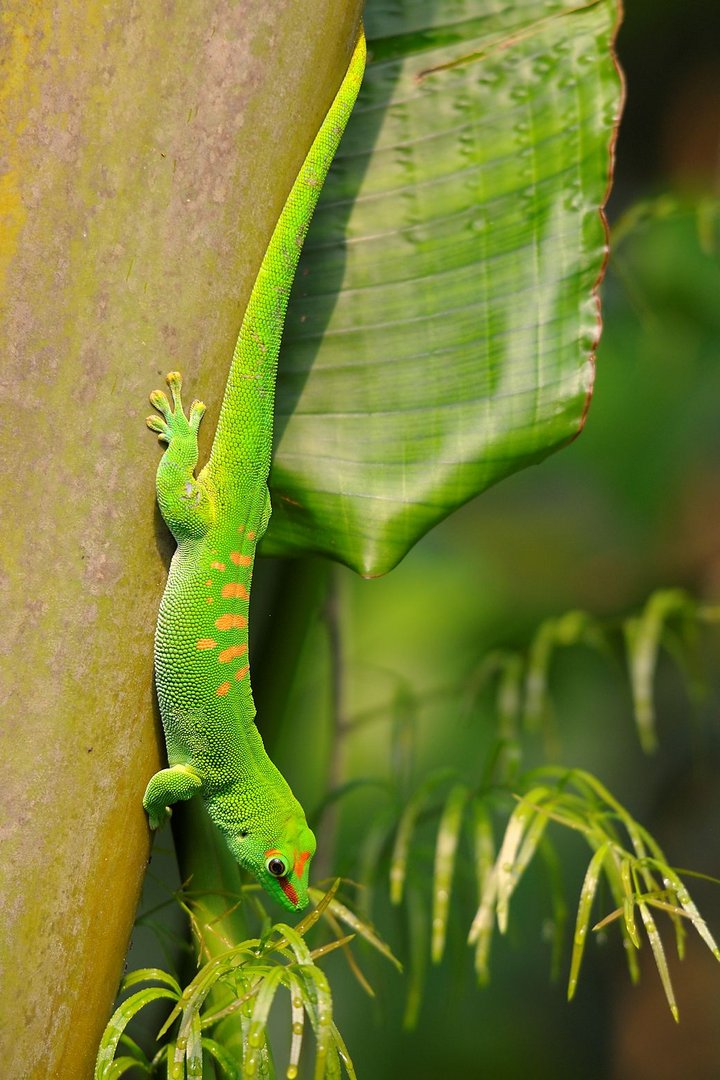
443,326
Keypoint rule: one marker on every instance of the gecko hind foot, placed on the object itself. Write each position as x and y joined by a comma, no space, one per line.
172,420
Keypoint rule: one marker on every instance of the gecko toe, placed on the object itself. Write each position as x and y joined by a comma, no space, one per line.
197,411
174,381
160,402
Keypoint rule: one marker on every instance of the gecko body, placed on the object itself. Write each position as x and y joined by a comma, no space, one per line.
217,518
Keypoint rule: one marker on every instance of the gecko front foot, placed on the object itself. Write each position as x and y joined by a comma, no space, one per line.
185,502
166,787
172,422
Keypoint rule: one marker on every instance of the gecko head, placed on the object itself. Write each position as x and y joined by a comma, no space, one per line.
280,860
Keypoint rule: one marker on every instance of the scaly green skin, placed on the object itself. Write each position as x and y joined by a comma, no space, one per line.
201,644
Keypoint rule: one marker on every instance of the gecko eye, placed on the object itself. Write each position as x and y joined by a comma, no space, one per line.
276,867
243,835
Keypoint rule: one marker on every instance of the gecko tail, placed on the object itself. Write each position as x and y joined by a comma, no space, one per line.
243,440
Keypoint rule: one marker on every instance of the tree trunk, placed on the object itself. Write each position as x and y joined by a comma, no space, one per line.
148,150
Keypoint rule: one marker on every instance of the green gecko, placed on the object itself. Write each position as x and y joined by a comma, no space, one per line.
201,644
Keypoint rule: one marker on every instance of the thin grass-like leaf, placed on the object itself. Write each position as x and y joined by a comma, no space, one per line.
258,1063
193,1050
417,934
673,881
263,1003
572,628
659,954
643,637
596,787
364,930
483,842
151,975
245,994
559,905
349,956
587,896
119,1021
406,827
323,1029
656,892
482,927
662,905
231,1069
196,992
612,917
344,1055
612,876
295,940
512,859
445,851
331,946
161,1055
313,916
122,1065
531,840
502,762
297,1014
135,1051
629,901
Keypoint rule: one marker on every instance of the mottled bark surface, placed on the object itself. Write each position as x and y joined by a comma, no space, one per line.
146,153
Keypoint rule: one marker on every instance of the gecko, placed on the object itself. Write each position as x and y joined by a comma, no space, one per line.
217,518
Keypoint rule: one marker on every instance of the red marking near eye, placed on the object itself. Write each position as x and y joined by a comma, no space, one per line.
235,588
239,559
288,890
300,860
272,851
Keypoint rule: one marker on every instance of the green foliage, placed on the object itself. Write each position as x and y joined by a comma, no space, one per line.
670,621
638,874
250,973
442,329
639,878
487,832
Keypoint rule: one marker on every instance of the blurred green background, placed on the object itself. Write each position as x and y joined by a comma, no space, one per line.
630,506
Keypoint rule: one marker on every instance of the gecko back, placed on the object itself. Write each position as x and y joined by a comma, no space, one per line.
201,644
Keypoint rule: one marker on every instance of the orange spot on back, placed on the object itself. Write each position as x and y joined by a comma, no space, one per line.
241,528
209,582
217,565
242,672
223,689
235,588
231,622
239,559
206,643
229,654
251,535
209,599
